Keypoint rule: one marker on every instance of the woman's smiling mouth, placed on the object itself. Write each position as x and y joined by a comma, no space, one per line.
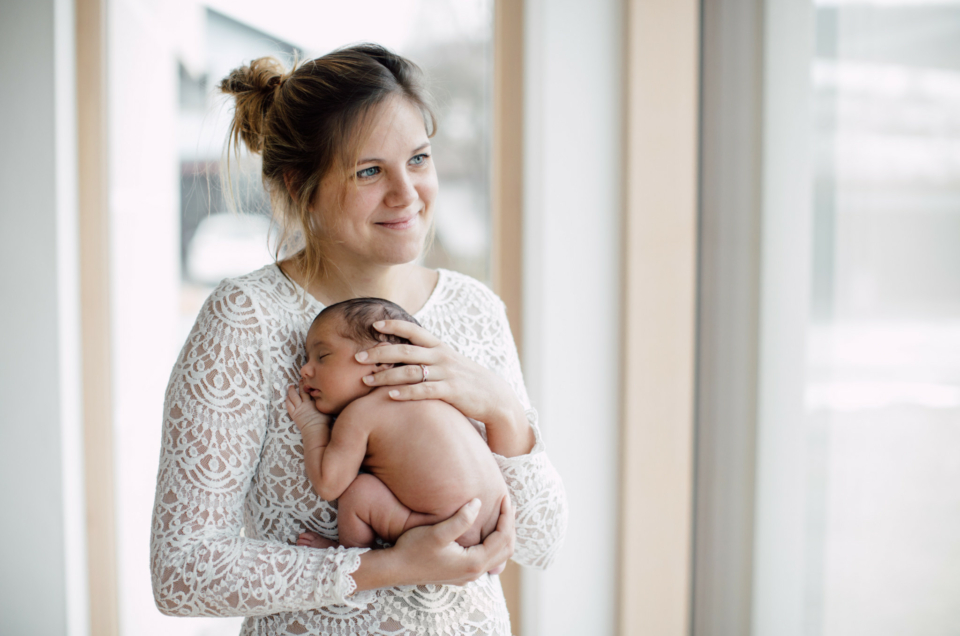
400,224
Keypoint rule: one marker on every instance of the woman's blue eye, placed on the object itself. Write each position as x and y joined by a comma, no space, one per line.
419,159
366,173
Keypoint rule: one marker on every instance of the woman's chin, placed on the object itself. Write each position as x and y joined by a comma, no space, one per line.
406,254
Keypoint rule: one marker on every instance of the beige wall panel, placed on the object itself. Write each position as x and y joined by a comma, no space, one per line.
95,315
659,315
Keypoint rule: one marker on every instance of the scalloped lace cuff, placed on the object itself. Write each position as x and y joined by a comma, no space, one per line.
538,447
344,589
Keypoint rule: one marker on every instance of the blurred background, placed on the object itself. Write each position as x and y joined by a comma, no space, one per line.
762,439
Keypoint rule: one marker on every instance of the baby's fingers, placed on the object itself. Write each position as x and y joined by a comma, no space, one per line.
293,401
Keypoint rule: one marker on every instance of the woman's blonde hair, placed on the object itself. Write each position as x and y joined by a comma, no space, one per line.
309,120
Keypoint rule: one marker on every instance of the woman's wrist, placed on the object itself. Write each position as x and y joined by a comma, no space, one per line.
378,568
508,432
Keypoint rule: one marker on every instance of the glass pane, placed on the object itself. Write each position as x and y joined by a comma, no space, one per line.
883,377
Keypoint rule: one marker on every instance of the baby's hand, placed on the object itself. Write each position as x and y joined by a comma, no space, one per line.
302,410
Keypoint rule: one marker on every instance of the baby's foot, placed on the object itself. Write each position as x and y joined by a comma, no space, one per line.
313,540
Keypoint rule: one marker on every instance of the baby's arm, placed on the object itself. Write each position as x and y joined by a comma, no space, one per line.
332,460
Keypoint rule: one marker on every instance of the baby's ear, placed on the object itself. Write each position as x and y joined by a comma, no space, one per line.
383,365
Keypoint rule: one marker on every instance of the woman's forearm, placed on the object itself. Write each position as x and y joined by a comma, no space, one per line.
237,576
542,510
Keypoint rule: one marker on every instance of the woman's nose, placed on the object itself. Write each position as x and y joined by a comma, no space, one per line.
402,190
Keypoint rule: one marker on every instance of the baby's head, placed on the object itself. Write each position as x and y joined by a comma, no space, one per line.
331,374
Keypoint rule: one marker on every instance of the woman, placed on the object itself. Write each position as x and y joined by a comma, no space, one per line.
346,160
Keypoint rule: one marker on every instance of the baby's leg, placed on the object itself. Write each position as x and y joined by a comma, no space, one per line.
368,510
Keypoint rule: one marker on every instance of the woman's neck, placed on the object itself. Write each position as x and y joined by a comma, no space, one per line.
409,285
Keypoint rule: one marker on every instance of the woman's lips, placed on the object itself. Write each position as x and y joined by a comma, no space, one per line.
400,224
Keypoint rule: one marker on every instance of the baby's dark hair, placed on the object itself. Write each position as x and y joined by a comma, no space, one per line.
358,315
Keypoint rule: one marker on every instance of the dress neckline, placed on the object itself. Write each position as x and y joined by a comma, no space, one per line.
431,299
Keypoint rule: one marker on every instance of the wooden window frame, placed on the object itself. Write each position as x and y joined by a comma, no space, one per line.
507,202
659,315
94,230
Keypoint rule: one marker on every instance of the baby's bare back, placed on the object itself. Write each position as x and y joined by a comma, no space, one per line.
430,456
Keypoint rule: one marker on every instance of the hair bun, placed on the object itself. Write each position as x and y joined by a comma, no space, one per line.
254,88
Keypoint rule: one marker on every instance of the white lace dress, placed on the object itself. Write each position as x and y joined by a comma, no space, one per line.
232,493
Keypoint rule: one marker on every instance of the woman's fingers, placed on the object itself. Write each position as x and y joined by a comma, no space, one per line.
394,353
454,527
430,554
410,374
499,544
424,391
414,333
507,523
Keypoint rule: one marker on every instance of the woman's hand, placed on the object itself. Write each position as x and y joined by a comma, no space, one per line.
430,554
434,371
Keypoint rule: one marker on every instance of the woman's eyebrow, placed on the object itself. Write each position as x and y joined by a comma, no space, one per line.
422,146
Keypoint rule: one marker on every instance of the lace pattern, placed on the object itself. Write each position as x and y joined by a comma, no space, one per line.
232,493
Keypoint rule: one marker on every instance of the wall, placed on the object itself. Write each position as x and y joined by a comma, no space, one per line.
42,535
571,309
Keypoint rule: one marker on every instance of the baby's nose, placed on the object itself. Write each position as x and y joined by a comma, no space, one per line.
305,370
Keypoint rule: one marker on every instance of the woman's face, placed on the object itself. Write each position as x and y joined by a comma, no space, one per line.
383,214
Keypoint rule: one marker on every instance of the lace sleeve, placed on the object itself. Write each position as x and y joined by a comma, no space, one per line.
215,420
534,484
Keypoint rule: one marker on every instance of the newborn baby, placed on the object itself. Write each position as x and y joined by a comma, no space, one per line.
423,459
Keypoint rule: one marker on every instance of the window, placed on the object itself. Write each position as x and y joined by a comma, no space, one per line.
167,129
858,511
